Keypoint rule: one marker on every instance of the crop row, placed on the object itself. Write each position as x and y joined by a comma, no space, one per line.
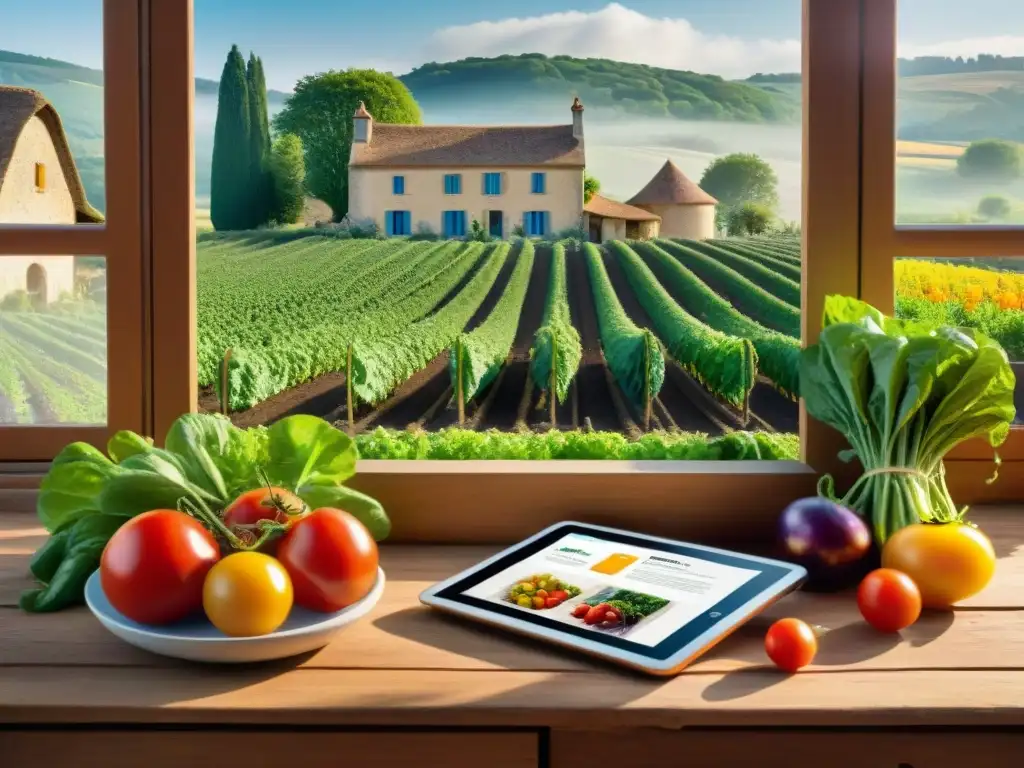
724,364
750,299
778,355
632,353
556,351
478,356
462,444
383,360
389,295
761,256
776,284
287,297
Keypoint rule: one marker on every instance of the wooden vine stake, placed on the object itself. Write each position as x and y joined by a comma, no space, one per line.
225,395
647,387
553,383
458,382
349,399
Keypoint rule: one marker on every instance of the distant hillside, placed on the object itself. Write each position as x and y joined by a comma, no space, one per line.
77,93
611,87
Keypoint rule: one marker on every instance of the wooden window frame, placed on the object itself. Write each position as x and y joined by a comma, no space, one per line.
848,137
119,240
882,241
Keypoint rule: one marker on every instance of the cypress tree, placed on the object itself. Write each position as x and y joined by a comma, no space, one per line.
230,173
259,143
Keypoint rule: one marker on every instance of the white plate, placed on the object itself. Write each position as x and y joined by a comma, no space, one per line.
198,640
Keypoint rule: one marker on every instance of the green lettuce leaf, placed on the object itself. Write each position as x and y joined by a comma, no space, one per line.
365,509
306,450
72,487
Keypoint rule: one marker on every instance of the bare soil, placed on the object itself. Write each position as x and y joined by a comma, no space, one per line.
595,397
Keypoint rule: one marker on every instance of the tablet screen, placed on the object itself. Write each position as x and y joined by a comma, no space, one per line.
645,596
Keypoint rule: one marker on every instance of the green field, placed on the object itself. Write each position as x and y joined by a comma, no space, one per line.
631,337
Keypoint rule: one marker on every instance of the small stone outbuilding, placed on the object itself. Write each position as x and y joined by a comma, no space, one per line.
39,184
606,219
686,210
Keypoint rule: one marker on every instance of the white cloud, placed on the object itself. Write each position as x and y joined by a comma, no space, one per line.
619,33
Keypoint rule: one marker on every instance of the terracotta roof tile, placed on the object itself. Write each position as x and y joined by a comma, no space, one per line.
670,186
17,107
470,145
612,209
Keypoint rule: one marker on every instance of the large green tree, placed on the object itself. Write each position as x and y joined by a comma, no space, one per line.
749,219
230,171
288,173
741,178
261,190
991,160
320,113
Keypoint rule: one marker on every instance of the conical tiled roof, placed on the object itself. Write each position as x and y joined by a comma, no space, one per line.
670,186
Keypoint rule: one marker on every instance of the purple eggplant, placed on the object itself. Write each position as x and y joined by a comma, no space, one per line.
827,539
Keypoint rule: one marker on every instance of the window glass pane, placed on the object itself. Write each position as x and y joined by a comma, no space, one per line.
960,113
53,340
982,293
51,112
668,236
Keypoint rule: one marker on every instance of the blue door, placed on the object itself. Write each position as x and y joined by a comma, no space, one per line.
495,223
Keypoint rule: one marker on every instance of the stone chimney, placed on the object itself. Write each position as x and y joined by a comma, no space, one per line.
577,119
362,125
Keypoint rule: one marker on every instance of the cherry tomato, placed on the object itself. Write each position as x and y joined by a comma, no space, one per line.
948,562
889,600
790,644
153,567
247,594
331,558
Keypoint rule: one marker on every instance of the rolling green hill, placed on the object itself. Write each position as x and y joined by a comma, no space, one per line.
607,86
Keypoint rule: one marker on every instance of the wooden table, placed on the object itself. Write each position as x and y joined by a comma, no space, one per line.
410,687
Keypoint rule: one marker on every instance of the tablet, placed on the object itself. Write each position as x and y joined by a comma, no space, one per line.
648,603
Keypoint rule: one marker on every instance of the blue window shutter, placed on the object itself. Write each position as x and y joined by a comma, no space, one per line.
462,223
457,183
398,185
544,222
406,222
444,224
387,223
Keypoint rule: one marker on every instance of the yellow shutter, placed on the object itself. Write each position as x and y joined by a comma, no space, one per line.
40,176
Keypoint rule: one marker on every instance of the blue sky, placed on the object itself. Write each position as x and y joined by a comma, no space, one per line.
730,37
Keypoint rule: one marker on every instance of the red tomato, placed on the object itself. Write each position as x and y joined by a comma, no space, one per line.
790,644
889,600
331,558
152,569
276,504
560,595
552,602
580,610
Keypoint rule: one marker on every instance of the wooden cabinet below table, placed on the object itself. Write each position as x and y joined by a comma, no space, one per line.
234,749
730,748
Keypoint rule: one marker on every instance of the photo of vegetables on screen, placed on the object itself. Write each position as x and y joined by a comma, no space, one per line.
541,591
617,610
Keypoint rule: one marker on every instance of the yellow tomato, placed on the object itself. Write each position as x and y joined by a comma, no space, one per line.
948,562
247,594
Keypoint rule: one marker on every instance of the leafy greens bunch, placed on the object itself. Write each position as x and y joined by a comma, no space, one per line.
206,462
903,394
